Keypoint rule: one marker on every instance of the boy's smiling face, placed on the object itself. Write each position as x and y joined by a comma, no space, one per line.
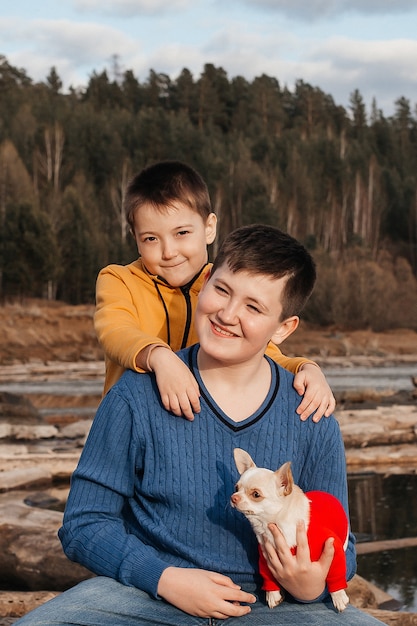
173,241
238,313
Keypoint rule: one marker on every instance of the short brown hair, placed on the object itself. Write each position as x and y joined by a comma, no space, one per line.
164,183
260,249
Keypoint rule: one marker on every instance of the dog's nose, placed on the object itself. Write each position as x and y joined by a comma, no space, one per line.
235,498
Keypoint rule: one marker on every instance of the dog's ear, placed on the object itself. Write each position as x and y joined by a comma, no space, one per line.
284,478
243,460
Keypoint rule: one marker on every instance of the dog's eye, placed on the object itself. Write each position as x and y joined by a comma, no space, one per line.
256,494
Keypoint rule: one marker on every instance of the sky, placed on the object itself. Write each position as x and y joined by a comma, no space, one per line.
336,45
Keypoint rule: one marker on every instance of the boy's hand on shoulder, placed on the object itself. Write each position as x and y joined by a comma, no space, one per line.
203,594
311,383
177,386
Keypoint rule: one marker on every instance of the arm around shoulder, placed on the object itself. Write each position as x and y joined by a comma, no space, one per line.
117,323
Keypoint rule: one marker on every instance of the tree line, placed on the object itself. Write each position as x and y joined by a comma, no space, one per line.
343,181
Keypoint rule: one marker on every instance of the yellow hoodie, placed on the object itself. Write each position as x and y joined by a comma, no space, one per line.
135,309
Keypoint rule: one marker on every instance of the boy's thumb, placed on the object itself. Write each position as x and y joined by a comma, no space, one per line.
328,553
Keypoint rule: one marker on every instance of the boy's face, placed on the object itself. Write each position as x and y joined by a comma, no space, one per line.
173,242
239,313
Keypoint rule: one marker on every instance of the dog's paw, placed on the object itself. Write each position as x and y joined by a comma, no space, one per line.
273,598
340,599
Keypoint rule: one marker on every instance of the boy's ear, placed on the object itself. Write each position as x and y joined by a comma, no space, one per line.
211,228
285,329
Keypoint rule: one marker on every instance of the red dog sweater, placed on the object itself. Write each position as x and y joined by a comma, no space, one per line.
327,519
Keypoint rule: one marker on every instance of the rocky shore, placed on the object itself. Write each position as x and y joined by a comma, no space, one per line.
40,446
42,435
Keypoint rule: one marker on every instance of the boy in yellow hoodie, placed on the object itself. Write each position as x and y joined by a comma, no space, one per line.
144,310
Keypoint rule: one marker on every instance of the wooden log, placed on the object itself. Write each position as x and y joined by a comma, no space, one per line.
360,593
393,618
376,457
382,426
19,478
387,544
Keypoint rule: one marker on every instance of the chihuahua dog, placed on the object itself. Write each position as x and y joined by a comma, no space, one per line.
266,497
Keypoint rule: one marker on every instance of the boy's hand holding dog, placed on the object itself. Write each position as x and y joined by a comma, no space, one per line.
203,593
303,579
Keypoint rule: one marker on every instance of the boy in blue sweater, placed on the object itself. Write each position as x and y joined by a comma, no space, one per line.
148,507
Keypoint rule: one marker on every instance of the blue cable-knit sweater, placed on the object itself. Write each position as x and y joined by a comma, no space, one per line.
152,490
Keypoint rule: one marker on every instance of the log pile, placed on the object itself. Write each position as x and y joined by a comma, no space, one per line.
382,437
36,462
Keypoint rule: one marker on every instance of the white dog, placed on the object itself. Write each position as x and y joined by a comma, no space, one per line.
265,497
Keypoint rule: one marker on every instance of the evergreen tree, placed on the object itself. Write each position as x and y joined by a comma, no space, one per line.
30,252
343,182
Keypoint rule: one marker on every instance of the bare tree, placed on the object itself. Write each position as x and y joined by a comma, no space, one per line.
117,194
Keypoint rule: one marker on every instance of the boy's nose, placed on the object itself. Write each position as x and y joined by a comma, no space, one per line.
169,251
228,314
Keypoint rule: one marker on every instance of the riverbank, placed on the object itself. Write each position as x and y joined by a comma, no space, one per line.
39,452
42,432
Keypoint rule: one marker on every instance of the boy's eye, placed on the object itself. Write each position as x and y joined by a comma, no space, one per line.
253,308
183,232
150,238
220,289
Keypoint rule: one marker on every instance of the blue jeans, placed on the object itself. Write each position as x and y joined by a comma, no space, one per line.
103,601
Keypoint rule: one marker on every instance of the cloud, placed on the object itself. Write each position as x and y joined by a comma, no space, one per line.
69,46
250,54
385,70
319,9
337,65
131,8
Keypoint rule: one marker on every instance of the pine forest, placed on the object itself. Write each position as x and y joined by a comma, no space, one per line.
341,180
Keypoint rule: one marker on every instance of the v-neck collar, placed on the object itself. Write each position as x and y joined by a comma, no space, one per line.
218,411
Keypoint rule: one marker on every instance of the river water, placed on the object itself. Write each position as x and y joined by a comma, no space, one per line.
385,507
390,378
